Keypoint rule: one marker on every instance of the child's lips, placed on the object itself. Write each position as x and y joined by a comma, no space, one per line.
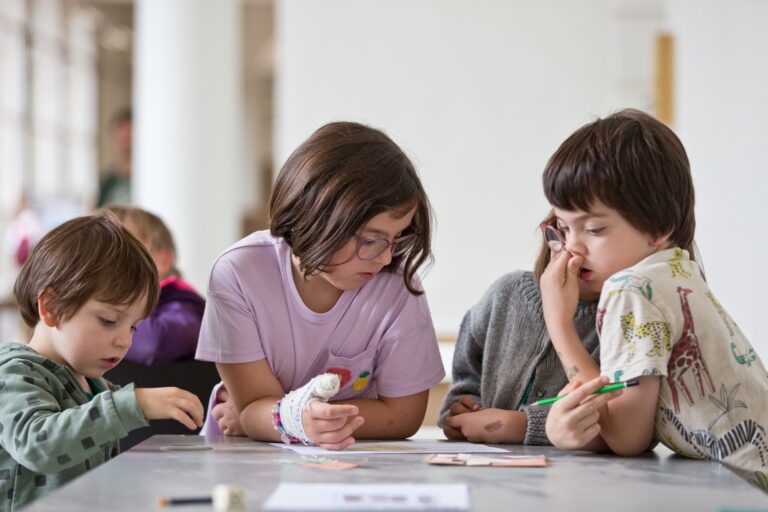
585,273
110,362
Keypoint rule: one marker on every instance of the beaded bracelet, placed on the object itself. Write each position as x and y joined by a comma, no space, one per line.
285,437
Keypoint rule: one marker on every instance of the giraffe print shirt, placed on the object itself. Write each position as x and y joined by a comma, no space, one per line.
50,430
660,318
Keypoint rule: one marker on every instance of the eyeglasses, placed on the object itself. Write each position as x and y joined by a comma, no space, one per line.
369,248
553,237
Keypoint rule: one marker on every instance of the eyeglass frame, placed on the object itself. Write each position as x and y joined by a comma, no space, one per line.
390,245
559,236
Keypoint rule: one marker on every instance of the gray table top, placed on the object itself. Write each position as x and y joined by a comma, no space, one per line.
573,481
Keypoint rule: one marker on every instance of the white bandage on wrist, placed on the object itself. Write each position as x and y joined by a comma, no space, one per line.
321,388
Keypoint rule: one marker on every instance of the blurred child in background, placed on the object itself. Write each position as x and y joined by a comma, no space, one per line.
170,332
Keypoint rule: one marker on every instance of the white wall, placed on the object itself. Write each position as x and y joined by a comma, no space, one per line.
479,93
722,111
188,157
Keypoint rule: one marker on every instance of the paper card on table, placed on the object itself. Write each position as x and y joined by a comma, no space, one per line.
466,459
350,496
368,447
336,465
322,463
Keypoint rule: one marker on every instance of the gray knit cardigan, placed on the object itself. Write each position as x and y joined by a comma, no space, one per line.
503,348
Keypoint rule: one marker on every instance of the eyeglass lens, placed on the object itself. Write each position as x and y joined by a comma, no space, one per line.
553,239
371,248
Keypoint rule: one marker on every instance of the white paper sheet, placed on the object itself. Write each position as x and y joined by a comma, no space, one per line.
370,447
348,497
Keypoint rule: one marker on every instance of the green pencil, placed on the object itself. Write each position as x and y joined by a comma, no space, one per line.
604,389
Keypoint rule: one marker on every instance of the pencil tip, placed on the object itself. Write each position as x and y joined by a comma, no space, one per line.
162,502
631,383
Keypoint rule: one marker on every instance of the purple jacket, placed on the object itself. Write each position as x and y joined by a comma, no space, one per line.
170,332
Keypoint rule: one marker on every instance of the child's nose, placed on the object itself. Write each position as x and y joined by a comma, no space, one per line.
574,245
385,258
125,339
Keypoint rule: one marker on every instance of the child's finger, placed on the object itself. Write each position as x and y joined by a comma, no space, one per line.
590,433
574,265
218,411
569,387
469,402
183,418
455,421
603,398
338,446
339,436
330,425
326,411
584,418
453,434
190,404
458,408
575,397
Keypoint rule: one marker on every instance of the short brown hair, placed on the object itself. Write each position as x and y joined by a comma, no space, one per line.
632,163
147,227
343,175
84,258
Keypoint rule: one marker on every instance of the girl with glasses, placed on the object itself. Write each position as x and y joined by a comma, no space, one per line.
504,361
331,288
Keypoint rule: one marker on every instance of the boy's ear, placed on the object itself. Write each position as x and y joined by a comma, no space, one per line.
662,240
46,308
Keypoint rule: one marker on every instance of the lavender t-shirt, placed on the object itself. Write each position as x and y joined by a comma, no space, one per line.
378,338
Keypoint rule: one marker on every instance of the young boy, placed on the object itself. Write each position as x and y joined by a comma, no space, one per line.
623,197
84,290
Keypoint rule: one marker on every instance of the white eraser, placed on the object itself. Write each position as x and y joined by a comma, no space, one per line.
228,497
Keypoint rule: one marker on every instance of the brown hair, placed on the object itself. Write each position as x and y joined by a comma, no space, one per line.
632,163
542,259
343,175
147,227
84,258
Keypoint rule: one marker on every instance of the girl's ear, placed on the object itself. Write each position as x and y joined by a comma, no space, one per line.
45,308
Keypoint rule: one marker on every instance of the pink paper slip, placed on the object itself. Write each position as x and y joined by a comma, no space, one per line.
335,466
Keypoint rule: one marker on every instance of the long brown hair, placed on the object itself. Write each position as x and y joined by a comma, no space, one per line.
343,175
86,258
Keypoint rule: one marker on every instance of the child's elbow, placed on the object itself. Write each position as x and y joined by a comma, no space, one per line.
39,463
630,449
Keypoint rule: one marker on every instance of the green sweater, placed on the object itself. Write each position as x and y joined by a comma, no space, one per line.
50,432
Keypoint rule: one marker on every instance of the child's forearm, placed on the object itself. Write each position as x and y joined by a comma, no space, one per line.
256,420
627,422
576,361
390,418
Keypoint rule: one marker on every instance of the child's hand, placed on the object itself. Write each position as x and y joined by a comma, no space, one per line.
170,403
331,425
560,288
484,426
463,405
573,421
226,414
